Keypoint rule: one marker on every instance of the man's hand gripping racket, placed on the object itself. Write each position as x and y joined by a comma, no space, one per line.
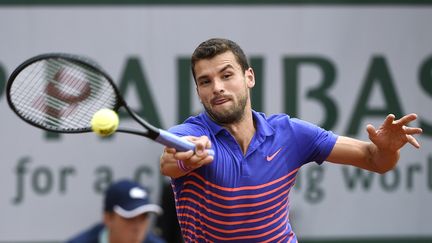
61,93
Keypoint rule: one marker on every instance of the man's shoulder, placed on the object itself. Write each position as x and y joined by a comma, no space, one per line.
90,235
195,126
282,118
274,119
196,119
282,122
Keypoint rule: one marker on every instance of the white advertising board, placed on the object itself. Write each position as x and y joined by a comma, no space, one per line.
376,59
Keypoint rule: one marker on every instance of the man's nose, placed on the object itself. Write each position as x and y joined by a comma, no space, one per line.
218,86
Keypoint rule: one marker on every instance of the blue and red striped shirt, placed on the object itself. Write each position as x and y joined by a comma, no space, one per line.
245,198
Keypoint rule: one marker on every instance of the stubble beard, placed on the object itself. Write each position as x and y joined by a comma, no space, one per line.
233,115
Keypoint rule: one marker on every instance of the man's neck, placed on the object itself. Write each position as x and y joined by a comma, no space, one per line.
243,130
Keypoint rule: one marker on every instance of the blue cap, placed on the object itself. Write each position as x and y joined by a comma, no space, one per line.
129,199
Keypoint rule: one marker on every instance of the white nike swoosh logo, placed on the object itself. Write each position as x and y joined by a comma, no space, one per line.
271,157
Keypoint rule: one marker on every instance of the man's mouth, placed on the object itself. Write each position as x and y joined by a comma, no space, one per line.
220,100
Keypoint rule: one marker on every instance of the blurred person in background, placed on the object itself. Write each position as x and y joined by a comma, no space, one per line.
126,217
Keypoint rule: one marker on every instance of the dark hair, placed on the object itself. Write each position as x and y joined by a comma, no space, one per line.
215,46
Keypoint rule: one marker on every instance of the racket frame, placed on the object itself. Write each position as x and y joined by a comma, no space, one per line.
154,133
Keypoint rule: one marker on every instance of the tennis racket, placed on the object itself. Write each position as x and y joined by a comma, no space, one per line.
60,93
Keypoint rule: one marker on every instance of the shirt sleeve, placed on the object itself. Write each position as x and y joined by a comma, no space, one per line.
315,143
188,129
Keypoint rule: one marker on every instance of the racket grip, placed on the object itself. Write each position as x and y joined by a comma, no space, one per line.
181,144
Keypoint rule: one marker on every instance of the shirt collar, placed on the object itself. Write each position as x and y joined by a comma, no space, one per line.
103,235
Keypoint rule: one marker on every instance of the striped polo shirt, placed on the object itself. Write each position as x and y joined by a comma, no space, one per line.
245,198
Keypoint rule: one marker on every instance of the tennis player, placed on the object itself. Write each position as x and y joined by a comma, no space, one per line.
242,193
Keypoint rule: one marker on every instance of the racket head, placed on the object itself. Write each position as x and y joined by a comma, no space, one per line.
60,92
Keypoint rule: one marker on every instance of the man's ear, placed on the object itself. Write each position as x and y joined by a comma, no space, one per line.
250,78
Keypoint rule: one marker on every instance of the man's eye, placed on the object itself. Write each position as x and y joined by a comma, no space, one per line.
205,81
226,76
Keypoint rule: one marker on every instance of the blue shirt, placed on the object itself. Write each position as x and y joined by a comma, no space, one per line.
244,198
98,234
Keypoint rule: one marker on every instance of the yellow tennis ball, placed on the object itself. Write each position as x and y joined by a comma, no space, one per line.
105,122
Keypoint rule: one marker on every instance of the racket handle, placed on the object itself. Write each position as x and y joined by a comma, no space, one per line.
181,144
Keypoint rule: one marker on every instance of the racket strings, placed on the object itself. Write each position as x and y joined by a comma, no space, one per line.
61,95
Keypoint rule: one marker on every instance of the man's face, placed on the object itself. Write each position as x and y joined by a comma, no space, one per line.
223,87
123,230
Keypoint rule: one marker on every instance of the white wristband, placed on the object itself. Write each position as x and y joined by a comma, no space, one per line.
182,166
